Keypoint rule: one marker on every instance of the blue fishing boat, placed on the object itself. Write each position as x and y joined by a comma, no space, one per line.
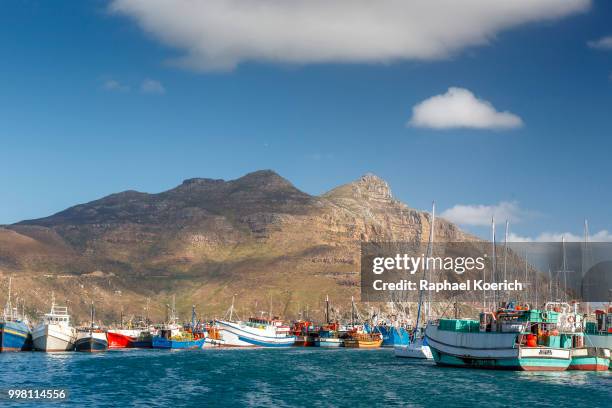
172,336
176,342
329,337
393,336
15,333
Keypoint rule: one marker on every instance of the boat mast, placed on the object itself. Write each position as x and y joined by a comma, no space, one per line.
564,270
8,308
232,308
270,313
526,278
352,312
505,258
193,317
92,317
493,261
585,259
147,311
173,317
327,308
429,255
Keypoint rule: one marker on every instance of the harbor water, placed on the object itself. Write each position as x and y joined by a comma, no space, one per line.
305,377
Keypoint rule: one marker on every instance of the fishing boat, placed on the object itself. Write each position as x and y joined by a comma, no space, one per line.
363,340
590,359
144,339
328,338
213,337
305,333
508,339
172,336
91,339
15,333
139,335
599,333
256,332
361,336
129,338
329,335
54,332
393,335
180,340
571,328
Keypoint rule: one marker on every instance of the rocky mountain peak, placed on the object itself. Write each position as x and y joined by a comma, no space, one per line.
368,187
374,186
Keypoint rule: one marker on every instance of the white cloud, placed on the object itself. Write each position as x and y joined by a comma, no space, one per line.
459,108
601,236
152,86
604,43
220,34
114,85
480,215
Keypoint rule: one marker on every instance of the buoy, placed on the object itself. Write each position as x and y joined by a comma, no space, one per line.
532,340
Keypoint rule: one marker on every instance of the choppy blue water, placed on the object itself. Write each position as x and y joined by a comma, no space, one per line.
306,377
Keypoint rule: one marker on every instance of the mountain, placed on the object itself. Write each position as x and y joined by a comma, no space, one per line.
258,237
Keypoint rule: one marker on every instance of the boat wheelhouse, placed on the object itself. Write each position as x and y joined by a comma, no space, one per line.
54,332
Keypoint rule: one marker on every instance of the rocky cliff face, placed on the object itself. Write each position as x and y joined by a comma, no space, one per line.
206,240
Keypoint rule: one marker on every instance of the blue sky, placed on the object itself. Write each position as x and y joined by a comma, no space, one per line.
93,101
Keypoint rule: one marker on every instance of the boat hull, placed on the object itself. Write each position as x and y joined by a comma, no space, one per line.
393,336
118,340
492,351
590,359
304,341
329,342
15,336
413,350
357,343
142,343
237,335
53,338
91,344
163,343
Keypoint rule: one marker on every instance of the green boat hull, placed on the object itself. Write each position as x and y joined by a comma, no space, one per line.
516,363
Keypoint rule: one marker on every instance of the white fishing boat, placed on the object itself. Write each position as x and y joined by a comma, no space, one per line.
256,332
54,332
510,339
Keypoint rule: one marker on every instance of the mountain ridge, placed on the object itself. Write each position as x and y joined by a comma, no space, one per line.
209,239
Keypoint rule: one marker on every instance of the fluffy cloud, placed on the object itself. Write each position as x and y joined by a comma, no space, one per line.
480,215
459,108
219,34
604,43
152,86
114,85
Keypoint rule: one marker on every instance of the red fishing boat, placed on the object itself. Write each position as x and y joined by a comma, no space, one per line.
305,333
129,338
121,338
